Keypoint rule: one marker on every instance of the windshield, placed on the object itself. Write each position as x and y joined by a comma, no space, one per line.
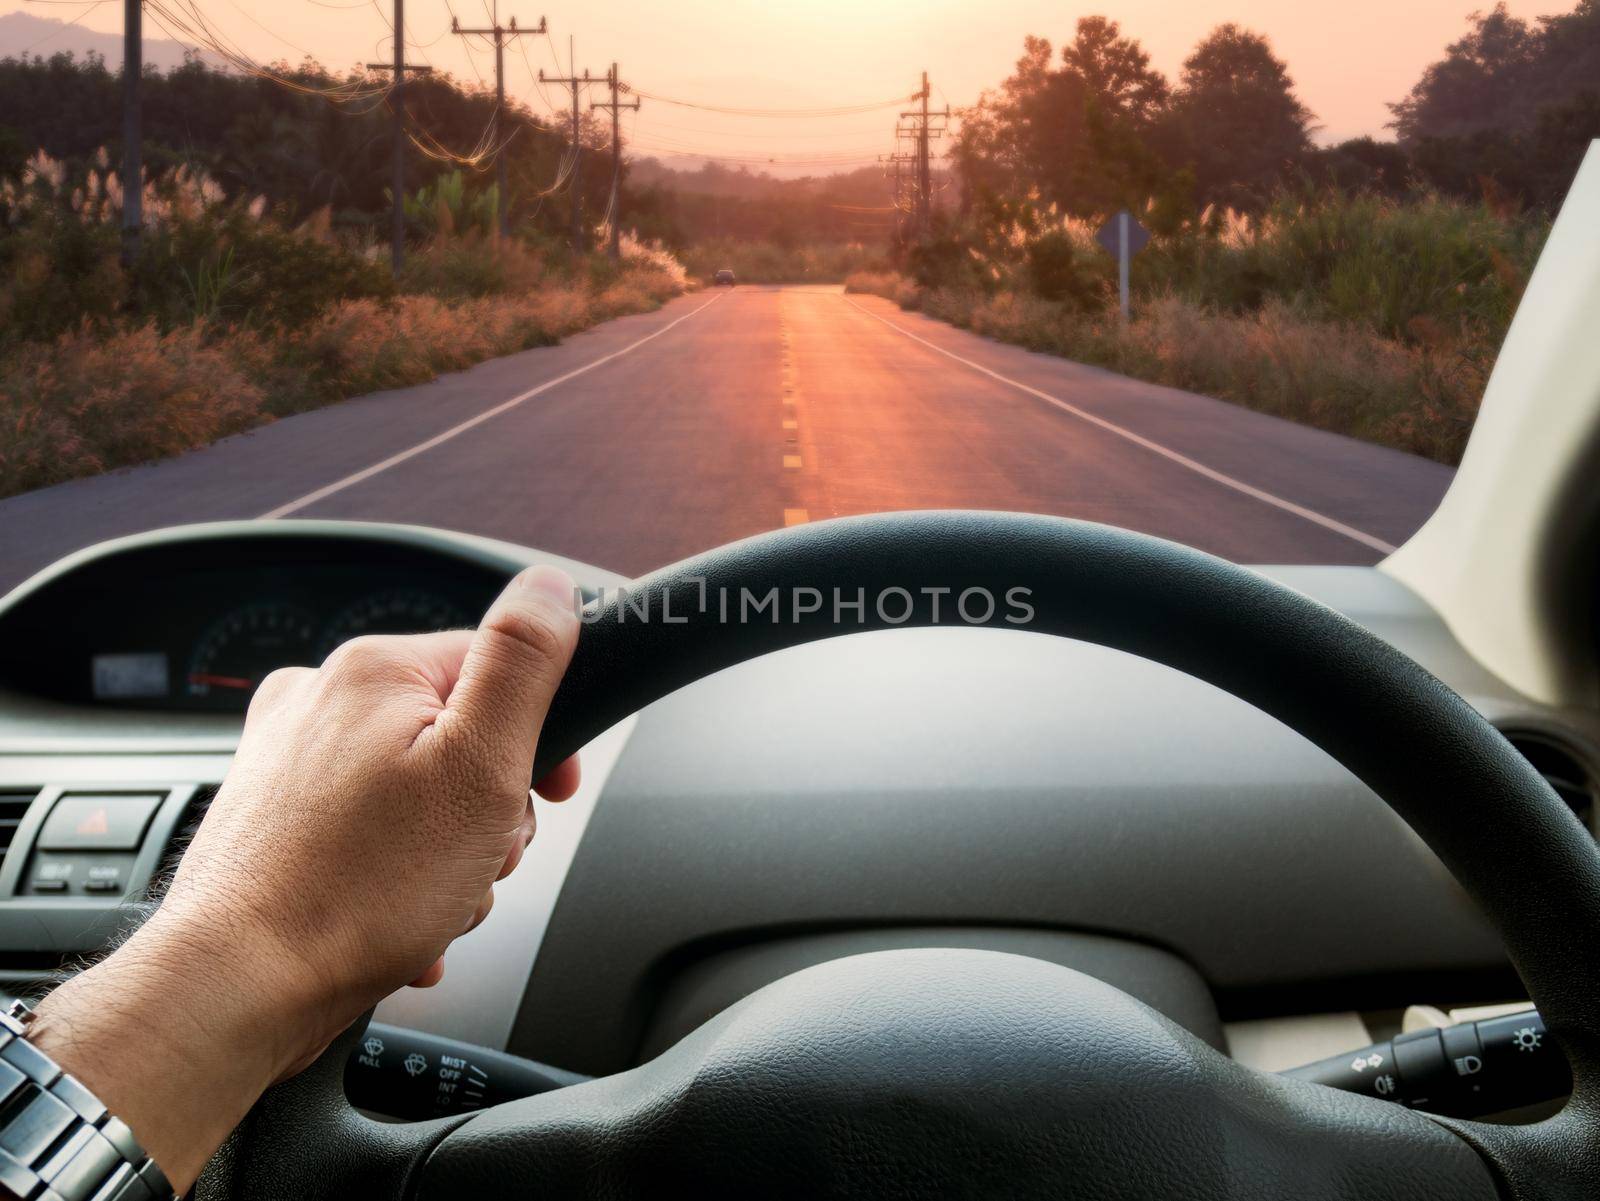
625,282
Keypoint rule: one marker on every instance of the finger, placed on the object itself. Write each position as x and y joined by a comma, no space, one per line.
439,657
519,844
432,976
435,659
514,664
562,781
484,906
435,970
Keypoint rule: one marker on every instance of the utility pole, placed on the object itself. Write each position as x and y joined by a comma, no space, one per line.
925,131
577,83
132,132
904,200
397,103
499,33
616,106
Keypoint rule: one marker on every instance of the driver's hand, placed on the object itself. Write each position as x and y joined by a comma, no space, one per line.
371,806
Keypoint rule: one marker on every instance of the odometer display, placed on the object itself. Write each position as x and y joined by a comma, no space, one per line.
242,647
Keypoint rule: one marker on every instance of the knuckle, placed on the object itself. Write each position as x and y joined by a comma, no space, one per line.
273,688
531,636
360,658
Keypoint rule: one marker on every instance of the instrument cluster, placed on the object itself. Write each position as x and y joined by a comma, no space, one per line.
198,627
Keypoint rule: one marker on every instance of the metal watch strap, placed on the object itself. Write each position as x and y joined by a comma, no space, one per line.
57,1141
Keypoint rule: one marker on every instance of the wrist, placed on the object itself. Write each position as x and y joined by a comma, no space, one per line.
178,1036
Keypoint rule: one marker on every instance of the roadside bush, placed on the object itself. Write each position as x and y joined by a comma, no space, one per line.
470,265
947,261
58,274
91,401
229,318
229,267
888,284
1368,259
1334,375
1059,270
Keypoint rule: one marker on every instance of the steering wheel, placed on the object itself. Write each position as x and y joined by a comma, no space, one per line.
956,1073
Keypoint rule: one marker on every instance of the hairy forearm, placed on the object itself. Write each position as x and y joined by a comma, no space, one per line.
174,996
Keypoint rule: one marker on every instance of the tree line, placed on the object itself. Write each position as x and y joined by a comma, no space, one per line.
1092,127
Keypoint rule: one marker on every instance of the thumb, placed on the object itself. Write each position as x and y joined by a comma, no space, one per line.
516,660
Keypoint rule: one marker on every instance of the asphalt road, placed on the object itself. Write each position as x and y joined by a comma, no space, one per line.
728,413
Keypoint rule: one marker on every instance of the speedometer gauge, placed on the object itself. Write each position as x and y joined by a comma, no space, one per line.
239,649
395,611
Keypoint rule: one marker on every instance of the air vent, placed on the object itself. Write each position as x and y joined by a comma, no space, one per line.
1567,773
12,806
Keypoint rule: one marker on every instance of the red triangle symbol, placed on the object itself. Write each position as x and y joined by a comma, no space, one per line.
98,822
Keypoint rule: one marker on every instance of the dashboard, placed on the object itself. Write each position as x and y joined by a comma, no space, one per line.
950,787
162,628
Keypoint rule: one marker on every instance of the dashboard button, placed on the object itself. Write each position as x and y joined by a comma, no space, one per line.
49,885
102,885
97,823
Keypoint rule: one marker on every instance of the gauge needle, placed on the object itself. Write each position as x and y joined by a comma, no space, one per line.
221,681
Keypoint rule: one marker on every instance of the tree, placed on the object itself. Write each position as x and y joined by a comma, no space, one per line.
1510,108
1071,135
1475,85
1115,72
1235,119
1010,136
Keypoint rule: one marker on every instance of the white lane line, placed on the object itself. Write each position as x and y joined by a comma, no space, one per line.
366,473
1166,452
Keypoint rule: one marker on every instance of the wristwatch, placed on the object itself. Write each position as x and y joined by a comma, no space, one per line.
57,1142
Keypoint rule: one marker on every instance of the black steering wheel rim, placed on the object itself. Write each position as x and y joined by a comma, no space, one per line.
1508,839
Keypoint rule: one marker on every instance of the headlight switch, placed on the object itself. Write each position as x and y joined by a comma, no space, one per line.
1465,1070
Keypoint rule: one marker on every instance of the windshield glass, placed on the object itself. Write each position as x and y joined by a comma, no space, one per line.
626,282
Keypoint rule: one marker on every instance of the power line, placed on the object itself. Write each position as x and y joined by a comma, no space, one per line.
189,27
577,83
65,25
270,33
615,105
500,33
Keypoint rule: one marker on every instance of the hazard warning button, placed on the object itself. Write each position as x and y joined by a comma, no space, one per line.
80,822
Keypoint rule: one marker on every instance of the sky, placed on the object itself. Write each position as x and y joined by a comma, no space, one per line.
1348,60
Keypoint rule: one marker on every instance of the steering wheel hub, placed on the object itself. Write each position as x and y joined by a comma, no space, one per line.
949,1073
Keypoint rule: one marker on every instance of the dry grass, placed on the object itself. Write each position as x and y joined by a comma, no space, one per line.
88,402
93,400
1332,375
890,284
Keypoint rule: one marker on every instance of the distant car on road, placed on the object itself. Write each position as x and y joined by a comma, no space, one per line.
724,276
